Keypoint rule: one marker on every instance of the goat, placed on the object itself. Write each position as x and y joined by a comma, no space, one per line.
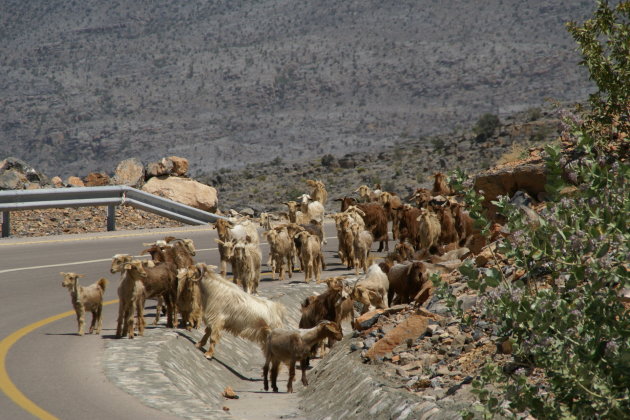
311,209
188,297
319,192
372,290
405,250
280,251
367,194
345,238
405,281
131,294
448,232
409,226
228,307
325,306
223,232
289,346
429,230
344,307
440,185
421,196
246,265
84,298
362,242
245,231
392,203
375,220
311,255
159,280
335,304
463,223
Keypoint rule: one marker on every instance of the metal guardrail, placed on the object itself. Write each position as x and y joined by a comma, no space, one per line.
99,196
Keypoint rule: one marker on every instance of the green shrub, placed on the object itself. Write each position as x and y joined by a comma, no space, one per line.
486,126
564,315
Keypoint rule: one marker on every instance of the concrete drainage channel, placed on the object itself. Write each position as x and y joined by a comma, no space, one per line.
165,371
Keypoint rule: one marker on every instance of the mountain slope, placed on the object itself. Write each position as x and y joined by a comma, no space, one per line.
224,83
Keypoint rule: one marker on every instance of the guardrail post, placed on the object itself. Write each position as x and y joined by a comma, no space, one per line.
111,217
6,224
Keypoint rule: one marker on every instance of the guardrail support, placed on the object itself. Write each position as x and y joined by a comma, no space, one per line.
6,224
111,217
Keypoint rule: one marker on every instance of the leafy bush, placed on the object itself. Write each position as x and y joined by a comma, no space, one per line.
563,311
486,126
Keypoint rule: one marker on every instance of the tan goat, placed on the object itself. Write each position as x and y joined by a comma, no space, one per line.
310,255
429,230
88,298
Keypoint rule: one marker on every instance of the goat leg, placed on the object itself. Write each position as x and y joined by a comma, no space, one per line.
275,366
291,376
303,365
93,321
265,373
80,318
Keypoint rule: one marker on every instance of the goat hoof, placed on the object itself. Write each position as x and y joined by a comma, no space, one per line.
275,390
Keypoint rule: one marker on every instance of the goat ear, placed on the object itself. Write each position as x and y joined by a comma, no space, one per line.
219,241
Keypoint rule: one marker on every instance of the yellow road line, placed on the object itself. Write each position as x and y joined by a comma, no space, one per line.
6,385
92,238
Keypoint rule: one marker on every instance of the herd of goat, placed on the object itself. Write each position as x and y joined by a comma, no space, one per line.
432,232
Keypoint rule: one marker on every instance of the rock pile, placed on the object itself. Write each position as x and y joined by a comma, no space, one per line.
166,178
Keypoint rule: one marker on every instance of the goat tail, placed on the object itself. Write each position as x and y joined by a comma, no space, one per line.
102,283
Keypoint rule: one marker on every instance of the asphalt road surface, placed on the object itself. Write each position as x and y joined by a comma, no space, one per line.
50,370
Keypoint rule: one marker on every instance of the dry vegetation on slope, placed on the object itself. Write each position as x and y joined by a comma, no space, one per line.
226,83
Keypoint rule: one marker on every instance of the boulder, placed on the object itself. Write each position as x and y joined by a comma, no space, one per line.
96,179
411,328
74,181
159,168
12,179
529,177
185,191
129,172
26,170
57,182
180,165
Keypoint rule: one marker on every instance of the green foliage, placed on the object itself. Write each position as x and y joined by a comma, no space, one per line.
486,126
564,315
462,185
604,42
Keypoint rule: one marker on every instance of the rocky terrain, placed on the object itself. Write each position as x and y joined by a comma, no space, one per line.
229,83
400,167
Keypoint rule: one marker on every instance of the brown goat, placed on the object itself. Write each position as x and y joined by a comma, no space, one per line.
440,185
409,226
375,220
392,203
289,346
448,232
421,196
405,281
463,223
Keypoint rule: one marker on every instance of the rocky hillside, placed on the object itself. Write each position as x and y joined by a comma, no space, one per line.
226,83
400,167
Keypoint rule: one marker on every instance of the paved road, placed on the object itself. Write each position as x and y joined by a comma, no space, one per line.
53,367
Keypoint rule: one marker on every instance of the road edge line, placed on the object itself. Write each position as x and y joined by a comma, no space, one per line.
6,385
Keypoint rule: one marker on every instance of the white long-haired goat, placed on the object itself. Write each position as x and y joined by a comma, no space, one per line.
228,307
